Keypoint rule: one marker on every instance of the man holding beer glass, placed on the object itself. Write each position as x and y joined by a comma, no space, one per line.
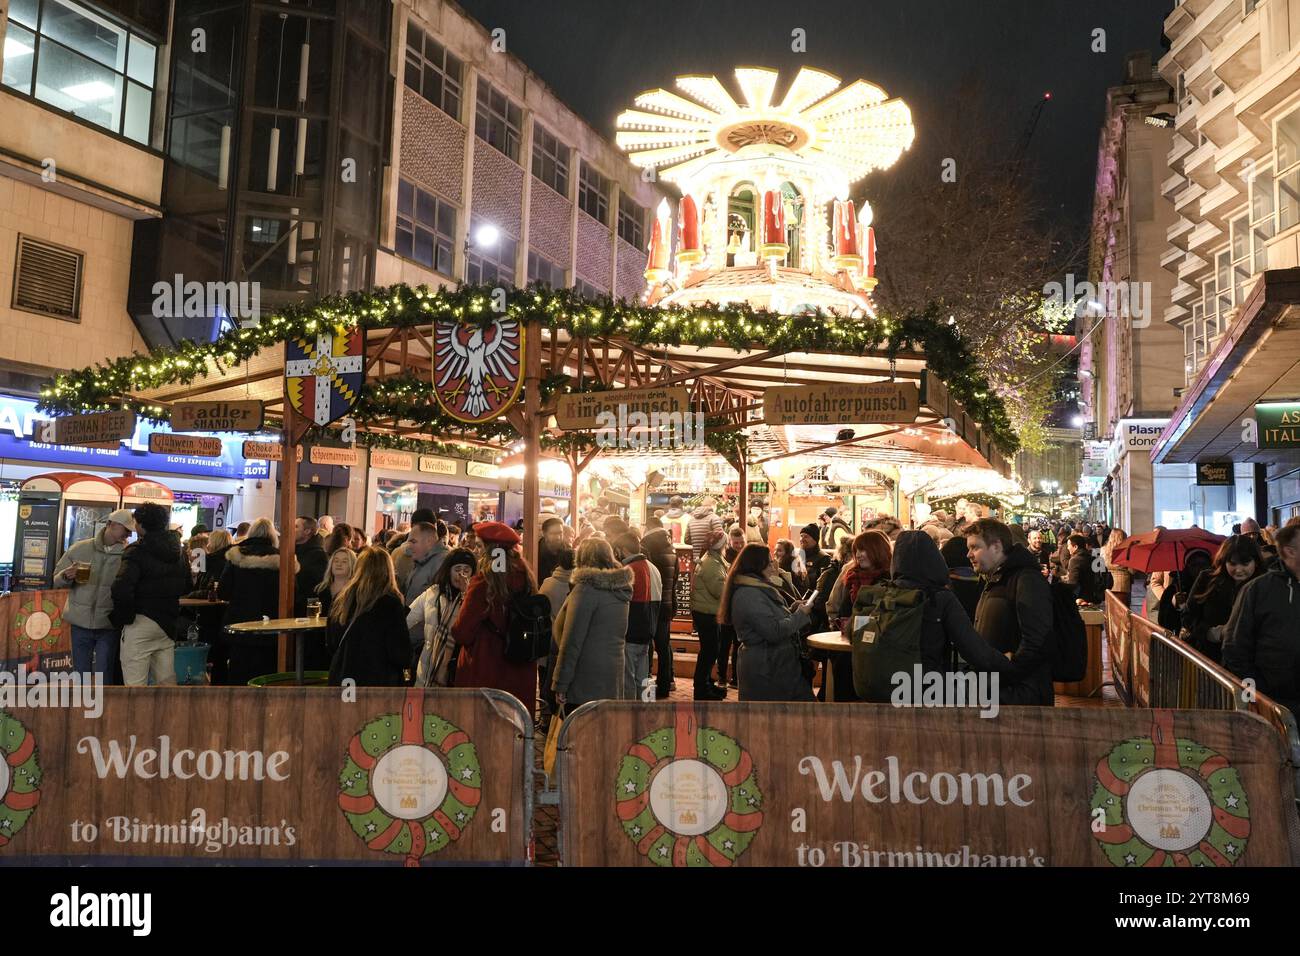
89,568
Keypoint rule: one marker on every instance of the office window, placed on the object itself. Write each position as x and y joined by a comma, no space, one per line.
1223,294
497,121
1263,221
1242,263
1286,168
426,228
47,279
550,160
71,58
593,193
495,263
587,290
543,270
631,218
433,72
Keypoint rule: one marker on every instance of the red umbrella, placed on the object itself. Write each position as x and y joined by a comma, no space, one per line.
1164,550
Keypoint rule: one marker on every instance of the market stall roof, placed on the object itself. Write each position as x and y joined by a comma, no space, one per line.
1257,361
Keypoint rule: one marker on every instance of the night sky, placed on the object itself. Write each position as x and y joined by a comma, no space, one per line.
598,54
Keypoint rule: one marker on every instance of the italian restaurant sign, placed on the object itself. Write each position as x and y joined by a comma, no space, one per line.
872,403
1279,424
591,410
941,787
163,776
242,416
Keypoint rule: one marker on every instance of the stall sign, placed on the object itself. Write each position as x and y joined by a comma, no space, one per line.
869,403
1214,474
437,466
242,416
201,446
396,460
101,428
328,455
480,469
267,451
1279,424
614,408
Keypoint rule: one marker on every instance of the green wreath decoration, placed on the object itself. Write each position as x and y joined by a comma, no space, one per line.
665,844
409,829
20,777
54,618
1210,822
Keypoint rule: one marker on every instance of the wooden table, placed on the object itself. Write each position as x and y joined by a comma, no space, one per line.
1093,619
835,643
298,626
201,602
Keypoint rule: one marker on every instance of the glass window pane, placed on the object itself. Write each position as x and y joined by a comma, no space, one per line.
424,208
1288,200
20,47
444,263
446,220
79,29
1240,239
405,242
1288,140
71,82
423,247
24,11
140,65
405,197
138,101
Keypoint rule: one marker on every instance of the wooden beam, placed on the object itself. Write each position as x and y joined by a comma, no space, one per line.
848,441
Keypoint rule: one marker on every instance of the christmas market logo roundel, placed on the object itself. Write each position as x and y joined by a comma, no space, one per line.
20,778
38,623
410,783
688,795
1169,801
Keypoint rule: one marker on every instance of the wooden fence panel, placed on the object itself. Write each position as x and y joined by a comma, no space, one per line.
873,785
220,775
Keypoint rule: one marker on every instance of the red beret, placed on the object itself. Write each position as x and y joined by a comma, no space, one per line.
495,532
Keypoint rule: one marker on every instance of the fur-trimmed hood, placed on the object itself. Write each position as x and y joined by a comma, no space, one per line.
613,579
253,555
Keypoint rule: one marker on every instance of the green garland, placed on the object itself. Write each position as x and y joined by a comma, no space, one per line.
738,325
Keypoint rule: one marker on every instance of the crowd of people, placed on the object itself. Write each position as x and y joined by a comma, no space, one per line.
432,604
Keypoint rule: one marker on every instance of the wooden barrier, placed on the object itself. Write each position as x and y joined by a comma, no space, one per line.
221,775
33,631
872,785
1120,644
1140,631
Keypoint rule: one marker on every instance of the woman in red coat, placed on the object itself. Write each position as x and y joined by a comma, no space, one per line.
480,626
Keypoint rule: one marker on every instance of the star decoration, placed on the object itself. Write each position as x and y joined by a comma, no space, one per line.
5,824
1231,800
466,774
460,817
728,844
1231,849
370,827
629,787
636,831
1129,858
663,851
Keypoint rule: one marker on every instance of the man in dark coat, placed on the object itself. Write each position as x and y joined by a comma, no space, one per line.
1262,639
146,598
657,546
1014,613
1079,573
310,552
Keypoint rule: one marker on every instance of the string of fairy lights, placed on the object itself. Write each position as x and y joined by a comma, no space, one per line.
116,384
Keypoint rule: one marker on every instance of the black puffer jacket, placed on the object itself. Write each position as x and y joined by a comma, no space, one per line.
1209,604
1262,639
658,547
251,582
151,580
1014,615
918,564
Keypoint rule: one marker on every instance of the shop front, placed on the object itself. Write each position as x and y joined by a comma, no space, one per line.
457,490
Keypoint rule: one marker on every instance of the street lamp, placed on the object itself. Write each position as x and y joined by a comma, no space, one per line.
486,236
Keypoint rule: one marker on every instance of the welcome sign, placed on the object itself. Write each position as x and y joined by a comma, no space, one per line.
864,785
165,776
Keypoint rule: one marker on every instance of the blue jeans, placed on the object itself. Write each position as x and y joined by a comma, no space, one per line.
94,649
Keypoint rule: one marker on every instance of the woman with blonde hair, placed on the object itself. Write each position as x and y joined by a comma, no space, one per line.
590,628
367,626
342,566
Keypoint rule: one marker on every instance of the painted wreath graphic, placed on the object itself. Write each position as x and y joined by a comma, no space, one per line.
37,623
688,795
20,777
410,783
1168,801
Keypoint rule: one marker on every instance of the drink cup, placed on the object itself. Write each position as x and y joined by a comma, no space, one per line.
83,573
313,608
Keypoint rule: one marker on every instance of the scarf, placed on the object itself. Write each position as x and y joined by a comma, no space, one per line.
437,667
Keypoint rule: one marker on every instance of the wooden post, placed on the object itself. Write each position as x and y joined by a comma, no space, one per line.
288,524
532,438
742,492
574,473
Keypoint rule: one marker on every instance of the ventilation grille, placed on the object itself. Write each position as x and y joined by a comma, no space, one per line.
47,279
